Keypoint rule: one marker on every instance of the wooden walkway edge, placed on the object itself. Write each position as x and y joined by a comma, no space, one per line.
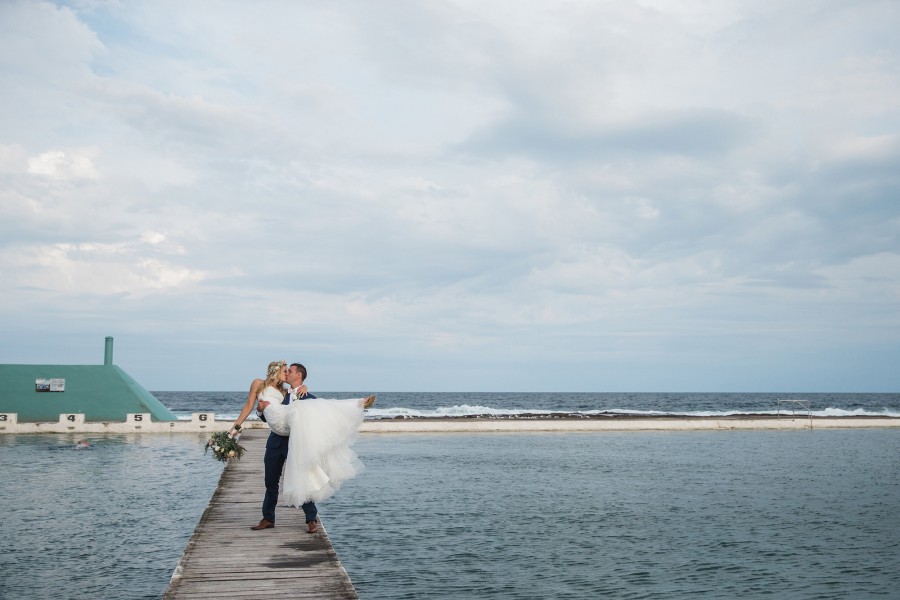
225,558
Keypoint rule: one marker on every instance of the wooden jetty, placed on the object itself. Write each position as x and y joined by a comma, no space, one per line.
226,559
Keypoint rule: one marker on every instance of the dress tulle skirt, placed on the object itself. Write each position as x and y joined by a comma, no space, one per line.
319,455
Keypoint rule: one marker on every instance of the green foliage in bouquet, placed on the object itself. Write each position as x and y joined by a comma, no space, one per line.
224,447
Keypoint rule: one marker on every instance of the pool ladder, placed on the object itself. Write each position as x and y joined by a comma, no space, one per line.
804,404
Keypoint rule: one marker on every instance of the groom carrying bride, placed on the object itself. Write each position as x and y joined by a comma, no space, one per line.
277,453
318,458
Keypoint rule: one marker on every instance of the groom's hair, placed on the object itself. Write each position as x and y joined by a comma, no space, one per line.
301,368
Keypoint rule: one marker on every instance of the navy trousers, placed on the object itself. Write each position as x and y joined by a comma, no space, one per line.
276,455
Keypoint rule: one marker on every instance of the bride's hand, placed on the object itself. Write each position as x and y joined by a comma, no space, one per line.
301,392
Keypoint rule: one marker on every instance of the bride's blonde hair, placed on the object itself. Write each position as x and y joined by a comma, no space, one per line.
273,375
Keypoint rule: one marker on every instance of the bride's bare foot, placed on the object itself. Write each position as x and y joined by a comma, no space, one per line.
368,401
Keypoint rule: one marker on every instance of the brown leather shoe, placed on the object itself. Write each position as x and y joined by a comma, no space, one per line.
263,525
311,527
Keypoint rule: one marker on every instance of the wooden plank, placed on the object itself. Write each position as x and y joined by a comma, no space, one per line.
225,558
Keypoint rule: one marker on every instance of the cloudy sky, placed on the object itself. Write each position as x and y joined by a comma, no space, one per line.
455,195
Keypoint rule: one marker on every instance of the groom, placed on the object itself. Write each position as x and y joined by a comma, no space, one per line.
276,455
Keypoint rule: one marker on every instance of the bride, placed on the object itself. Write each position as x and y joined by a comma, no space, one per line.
321,432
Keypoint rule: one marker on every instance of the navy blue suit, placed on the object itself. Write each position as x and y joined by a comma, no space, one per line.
276,454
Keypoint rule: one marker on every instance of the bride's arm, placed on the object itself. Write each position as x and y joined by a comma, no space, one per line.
248,405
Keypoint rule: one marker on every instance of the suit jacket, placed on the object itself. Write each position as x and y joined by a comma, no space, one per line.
276,441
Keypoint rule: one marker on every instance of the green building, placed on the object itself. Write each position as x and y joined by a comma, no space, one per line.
40,393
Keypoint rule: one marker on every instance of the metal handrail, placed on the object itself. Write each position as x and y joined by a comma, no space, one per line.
794,403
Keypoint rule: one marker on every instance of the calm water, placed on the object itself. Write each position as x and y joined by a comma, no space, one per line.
811,514
109,521
751,514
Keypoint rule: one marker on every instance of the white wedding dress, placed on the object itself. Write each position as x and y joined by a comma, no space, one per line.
319,455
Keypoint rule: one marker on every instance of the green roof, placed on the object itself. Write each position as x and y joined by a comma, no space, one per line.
100,392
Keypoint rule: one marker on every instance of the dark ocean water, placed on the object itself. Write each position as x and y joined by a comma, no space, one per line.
390,405
108,521
660,515
750,514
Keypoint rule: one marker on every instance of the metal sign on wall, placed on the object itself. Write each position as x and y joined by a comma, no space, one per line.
50,385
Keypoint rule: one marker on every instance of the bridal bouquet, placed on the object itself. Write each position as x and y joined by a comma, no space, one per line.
224,447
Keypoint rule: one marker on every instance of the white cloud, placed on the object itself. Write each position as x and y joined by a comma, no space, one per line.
487,183
869,147
13,158
93,268
65,166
